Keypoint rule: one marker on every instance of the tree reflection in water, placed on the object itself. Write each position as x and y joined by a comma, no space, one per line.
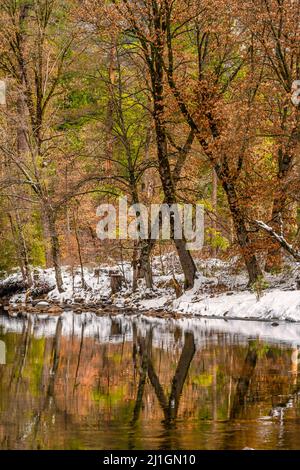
83,381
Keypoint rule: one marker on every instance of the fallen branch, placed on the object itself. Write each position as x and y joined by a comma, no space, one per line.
10,287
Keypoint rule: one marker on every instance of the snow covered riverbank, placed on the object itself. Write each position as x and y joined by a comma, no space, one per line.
275,304
219,292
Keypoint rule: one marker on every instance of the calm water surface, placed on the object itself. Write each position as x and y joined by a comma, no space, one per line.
87,382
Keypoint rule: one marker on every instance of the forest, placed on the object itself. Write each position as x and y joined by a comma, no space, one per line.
165,101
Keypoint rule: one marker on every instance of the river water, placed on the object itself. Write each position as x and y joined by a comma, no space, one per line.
134,382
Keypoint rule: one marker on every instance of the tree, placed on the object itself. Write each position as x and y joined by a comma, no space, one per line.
35,62
146,30
275,29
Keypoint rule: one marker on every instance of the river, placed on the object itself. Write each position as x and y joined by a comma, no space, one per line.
137,382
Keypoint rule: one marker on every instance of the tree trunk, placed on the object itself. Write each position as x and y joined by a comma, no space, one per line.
252,265
158,94
187,263
17,247
24,251
186,260
144,265
83,283
109,144
21,247
214,206
274,256
134,263
285,157
55,249
141,251
23,149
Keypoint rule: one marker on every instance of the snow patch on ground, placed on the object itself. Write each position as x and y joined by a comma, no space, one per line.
273,305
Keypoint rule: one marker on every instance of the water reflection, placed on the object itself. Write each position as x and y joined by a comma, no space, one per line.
87,382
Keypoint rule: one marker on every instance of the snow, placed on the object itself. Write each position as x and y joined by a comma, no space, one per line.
273,305
157,302
220,291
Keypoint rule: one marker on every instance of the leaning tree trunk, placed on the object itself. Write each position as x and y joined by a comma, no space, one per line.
285,157
143,263
157,72
17,247
142,248
24,251
55,249
214,202
252,265
83,283
21,247
274,256
134,263
185,257
187,263
23,149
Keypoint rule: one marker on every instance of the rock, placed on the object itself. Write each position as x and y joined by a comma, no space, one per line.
67,308
55,310
36,301
31,309
42,304
73,306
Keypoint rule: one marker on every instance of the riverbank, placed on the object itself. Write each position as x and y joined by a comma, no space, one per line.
220,291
